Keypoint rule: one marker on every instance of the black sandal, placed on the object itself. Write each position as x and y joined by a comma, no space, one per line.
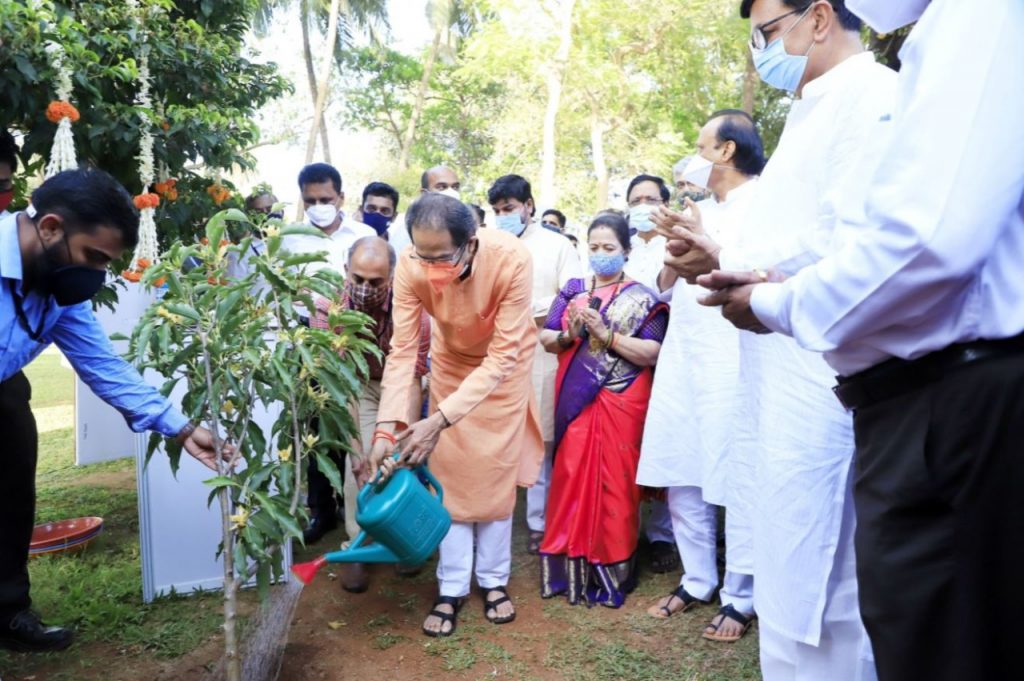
493,605
452,617
685,596
733,614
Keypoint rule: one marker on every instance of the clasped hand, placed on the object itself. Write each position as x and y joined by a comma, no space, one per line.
585,317
732,291
690,251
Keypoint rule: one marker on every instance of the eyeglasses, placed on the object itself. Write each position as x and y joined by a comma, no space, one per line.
758,41
442,259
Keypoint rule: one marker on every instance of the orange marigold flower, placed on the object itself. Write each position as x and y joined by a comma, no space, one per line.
148,200
142,263
218,193
159,282
166,189
131,275
59,110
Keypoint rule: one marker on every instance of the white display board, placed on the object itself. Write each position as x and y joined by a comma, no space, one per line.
179,533
101,433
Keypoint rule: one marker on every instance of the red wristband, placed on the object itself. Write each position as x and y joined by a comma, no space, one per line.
384,435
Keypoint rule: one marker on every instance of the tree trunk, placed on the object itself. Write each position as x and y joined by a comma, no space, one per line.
232,658
325,77
417,110
555,75
750,79
597,156
307,53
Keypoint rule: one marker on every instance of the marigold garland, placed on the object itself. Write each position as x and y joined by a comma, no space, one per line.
61,112
143,201
148,248
59,109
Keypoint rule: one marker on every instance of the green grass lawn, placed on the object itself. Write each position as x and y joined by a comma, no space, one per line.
98,592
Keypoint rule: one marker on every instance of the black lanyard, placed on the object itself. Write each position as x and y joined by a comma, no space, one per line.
19,309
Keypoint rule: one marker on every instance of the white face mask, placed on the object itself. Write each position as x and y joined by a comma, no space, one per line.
887,15
698,171
640,218
452,192
321,215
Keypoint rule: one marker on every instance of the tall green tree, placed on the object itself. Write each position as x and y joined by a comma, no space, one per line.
206,87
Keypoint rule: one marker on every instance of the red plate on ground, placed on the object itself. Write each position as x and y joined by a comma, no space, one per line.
64,533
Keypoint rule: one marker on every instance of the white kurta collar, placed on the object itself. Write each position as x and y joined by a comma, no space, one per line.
835,76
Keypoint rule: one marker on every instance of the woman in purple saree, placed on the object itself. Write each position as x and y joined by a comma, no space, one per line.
607,332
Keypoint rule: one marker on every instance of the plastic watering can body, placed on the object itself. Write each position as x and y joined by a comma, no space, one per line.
405,520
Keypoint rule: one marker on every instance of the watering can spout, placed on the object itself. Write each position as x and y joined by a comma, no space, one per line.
374,553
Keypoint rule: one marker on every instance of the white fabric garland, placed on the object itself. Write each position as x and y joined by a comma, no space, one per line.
148,247
62,155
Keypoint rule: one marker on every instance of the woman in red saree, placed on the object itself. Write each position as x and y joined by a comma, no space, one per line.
607,332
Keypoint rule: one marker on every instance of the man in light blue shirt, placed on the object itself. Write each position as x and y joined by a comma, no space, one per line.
53,259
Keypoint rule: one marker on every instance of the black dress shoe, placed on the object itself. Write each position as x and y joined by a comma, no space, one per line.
664,557
318,527
26,633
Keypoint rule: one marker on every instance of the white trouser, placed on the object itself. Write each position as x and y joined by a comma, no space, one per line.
537,496
844,651
364,412
659,523
695,524
493,556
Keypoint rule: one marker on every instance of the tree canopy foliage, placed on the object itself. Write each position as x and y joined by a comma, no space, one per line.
206,87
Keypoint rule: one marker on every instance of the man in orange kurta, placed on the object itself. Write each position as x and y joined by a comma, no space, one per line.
482,436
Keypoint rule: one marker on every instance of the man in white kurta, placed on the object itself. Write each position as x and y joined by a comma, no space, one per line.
790,428
926,292
555,262
691,419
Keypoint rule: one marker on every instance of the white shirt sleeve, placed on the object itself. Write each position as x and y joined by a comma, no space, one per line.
945,192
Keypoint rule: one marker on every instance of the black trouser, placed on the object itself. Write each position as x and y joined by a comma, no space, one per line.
321,498
19,444
940,525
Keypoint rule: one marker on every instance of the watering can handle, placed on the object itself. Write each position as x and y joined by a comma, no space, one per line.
365,491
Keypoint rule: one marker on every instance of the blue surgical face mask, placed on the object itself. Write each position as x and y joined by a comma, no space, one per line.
640,218
777,67
607,265
512,223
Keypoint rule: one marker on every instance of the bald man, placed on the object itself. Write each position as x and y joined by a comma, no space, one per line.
437,180
370,269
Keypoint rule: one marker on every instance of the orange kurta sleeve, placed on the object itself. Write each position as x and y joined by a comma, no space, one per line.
513,323
400,368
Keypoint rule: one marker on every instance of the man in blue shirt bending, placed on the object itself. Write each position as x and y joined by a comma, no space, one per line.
53,259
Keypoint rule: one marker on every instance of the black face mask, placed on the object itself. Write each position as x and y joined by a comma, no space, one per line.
68,284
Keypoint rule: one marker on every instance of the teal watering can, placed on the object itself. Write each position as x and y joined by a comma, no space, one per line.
402,517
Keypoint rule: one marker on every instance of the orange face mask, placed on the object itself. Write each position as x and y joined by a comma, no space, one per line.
440,275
